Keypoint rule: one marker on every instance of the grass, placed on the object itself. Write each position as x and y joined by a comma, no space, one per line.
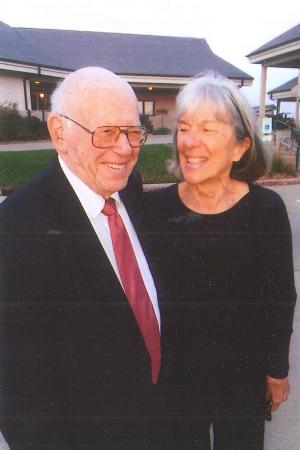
18,167
152,163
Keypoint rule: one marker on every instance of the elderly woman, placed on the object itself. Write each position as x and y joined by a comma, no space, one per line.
223,259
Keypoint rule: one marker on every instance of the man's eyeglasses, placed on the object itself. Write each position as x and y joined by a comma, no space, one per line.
107,136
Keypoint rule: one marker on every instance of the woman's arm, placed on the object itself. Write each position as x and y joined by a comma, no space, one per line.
279,273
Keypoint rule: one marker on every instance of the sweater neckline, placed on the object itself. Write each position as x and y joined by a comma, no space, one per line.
237,205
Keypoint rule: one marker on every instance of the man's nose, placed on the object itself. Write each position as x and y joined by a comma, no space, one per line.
122,144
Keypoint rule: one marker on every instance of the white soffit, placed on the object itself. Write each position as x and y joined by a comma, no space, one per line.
160,81
15,67
18,67
138,80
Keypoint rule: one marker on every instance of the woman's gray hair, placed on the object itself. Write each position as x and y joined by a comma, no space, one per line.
232,108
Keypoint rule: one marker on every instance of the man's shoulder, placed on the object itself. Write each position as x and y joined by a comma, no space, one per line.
29,201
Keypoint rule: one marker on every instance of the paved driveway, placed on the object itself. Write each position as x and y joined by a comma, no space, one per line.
46,144
283,433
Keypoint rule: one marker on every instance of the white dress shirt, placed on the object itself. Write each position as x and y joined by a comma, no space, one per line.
93,204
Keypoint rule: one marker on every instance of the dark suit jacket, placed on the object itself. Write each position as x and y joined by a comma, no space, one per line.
74,369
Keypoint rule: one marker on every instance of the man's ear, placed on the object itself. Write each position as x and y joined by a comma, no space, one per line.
241,148
56,129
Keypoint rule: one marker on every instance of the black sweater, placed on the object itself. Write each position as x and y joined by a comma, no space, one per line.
226,288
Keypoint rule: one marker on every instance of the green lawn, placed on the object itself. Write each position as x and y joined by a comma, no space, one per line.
17,167
152,163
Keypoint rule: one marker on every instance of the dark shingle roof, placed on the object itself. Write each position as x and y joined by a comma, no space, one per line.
286,38
13,47
127,54
130,53
288,86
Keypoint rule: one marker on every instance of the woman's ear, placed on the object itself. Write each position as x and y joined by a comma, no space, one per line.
241,148
57,132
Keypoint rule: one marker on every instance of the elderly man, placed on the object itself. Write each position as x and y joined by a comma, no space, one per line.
79,319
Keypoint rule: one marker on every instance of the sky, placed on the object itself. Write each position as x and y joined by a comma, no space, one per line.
232,28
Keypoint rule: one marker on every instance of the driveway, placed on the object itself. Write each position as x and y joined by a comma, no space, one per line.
283,433
46,144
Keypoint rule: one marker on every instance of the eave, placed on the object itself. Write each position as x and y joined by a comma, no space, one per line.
174,82
287,55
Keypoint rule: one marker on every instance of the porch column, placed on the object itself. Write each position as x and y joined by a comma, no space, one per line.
297,102
263,91
278,106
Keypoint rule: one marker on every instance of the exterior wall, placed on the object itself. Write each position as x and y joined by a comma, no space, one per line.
161,100
12,91
166,101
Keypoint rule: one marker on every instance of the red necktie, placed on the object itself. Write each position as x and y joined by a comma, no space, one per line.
134,286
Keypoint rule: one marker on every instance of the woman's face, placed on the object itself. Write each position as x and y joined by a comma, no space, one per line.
206,145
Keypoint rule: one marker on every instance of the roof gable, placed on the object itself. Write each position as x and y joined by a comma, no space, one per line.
288,86
289,36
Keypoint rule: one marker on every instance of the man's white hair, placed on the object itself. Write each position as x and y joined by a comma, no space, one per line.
68,91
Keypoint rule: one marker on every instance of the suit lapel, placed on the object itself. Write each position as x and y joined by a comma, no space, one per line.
132,197
101,282
78,232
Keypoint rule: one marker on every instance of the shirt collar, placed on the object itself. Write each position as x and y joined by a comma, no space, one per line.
92,202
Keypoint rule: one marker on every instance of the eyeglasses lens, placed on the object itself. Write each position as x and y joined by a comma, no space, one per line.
107,136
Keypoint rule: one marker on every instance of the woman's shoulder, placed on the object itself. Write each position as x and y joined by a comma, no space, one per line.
268,203
162,203
266,195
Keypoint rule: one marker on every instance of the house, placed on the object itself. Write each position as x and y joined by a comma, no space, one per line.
286,92
282,51
269,110
33,60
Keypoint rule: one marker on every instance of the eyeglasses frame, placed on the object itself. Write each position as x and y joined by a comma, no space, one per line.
122,128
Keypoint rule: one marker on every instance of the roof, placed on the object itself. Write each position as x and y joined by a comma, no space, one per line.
126,54
13,47
289,36
288,86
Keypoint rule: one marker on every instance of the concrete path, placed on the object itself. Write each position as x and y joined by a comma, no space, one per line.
283,433
24,146
45,145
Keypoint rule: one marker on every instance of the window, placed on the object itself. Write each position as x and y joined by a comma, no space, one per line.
40,93
146,108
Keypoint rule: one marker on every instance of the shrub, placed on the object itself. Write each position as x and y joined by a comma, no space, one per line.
15,127
31,128
296,135
146,122
9,120
281,121
281,166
